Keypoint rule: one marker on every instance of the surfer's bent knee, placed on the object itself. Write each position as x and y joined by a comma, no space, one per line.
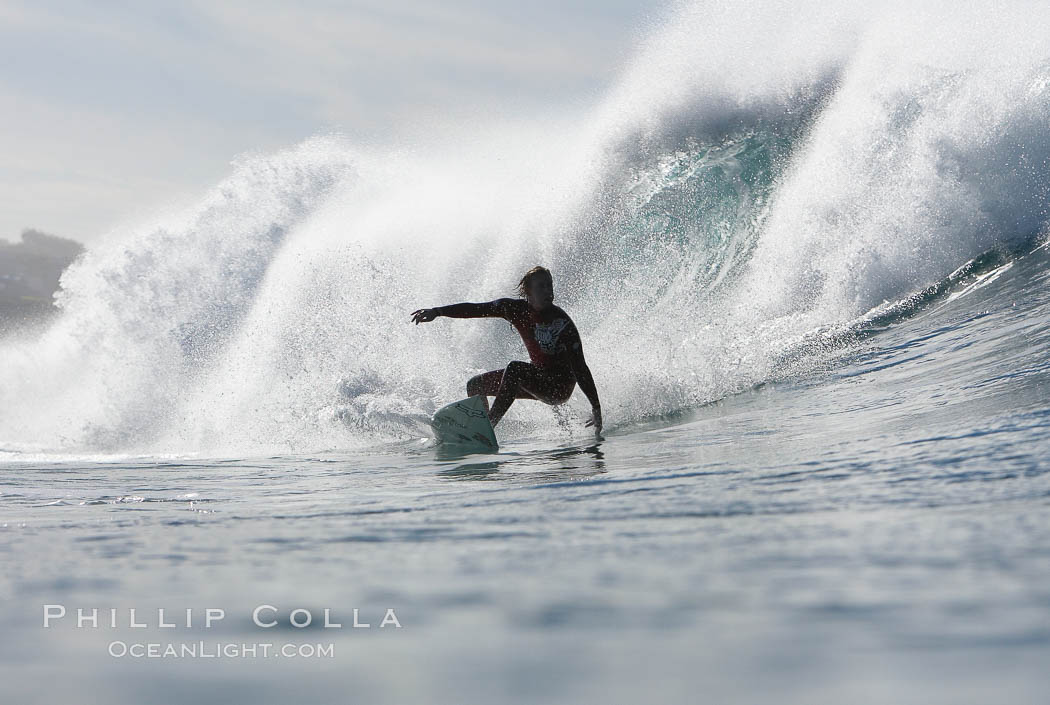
516,367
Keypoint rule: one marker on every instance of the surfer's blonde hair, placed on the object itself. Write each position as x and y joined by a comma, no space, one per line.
526,281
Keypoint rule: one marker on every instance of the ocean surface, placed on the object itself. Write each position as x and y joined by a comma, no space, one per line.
808,258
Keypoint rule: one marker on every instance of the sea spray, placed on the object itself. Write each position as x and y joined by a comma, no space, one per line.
757,174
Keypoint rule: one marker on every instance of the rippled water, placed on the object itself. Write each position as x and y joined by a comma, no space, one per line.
875,531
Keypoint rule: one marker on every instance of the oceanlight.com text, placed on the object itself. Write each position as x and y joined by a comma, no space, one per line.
228,650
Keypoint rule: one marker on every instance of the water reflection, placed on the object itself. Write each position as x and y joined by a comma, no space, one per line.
559,465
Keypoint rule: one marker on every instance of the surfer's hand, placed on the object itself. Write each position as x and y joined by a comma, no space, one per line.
595,420
424,315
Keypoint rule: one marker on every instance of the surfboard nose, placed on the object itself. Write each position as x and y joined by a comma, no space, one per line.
465,422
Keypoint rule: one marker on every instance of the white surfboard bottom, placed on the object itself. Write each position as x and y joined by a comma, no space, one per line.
464,422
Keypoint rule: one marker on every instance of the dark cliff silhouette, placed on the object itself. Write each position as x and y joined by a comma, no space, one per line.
29,273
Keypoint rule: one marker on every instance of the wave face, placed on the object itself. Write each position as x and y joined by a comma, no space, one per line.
758,181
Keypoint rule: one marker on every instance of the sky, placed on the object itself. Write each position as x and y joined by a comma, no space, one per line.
115,108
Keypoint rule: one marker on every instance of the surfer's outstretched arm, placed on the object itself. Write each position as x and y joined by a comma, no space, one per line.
488,309
585,380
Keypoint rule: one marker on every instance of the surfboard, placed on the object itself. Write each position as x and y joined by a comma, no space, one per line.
465,423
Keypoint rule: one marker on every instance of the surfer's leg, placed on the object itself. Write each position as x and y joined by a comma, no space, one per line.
523,380
485,384
508,389
548,387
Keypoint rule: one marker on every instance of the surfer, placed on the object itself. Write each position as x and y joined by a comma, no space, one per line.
553,343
